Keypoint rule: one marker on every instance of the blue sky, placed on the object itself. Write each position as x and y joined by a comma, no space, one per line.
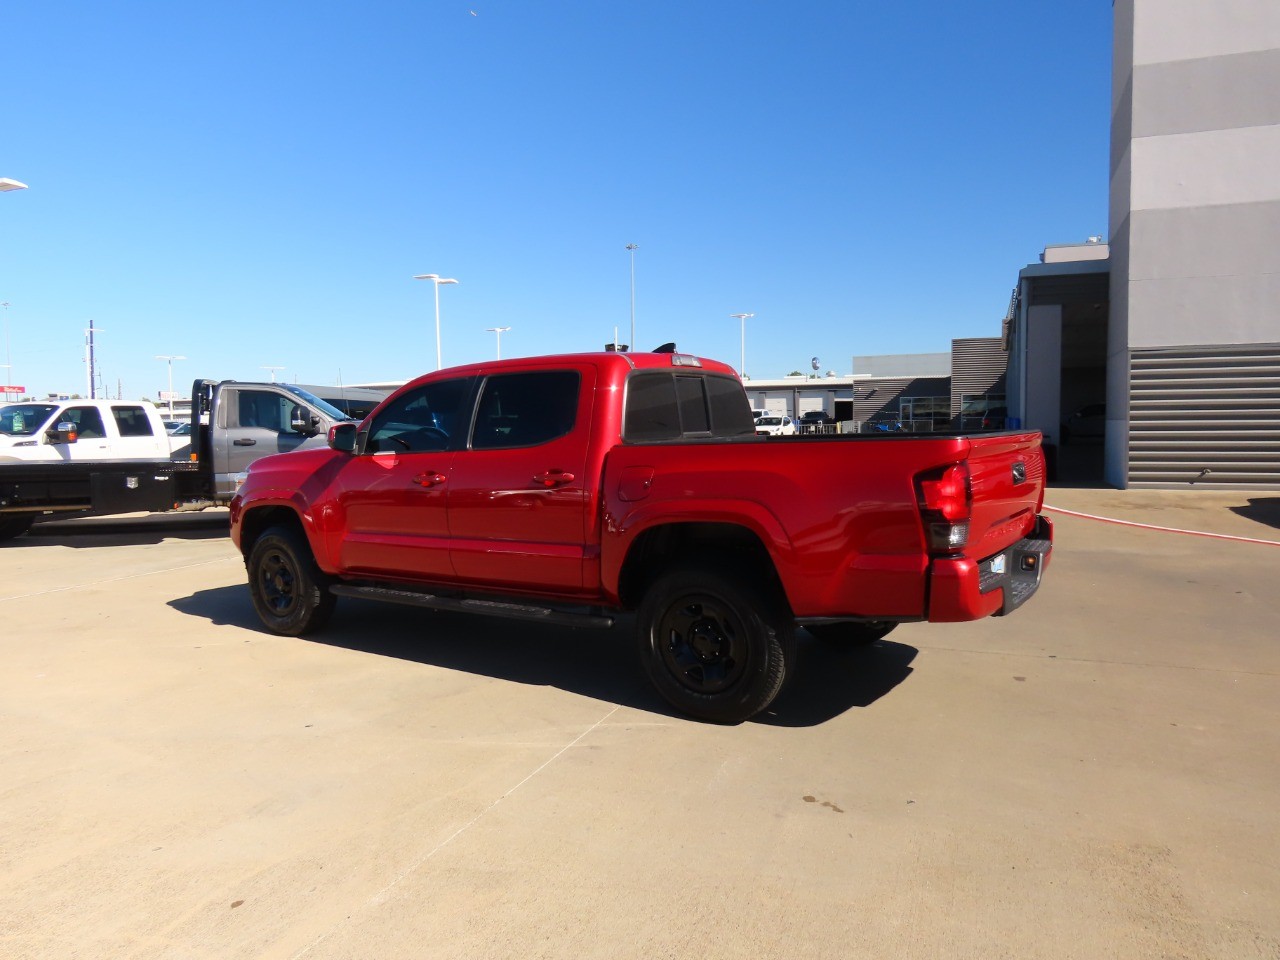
255,184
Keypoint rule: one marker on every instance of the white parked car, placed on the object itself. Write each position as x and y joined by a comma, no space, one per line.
775,426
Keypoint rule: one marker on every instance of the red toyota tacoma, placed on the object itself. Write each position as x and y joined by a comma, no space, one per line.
568,489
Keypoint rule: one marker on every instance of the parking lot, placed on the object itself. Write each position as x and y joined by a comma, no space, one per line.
1095,776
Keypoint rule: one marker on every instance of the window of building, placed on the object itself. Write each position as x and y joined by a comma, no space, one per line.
924,413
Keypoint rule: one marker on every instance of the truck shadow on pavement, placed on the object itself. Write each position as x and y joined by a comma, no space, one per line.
1264,510
112,532
601,664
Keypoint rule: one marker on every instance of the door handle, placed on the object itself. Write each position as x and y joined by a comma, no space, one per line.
244,442
429,479
553,478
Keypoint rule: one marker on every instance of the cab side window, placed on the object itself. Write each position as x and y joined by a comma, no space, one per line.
132,422
421,420
88,422
526,409
263,409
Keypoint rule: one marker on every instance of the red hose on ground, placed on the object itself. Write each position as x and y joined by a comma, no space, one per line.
1152,526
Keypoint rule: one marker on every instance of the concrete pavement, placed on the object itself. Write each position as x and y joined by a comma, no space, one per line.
1091,777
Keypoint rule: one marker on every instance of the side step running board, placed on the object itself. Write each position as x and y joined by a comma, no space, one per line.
492,608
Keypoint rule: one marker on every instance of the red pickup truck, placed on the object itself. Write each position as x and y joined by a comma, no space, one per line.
569,489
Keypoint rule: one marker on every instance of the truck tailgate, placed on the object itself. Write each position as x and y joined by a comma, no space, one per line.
1007,475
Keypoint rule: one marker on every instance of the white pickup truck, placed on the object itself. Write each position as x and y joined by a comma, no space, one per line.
64,458
38,431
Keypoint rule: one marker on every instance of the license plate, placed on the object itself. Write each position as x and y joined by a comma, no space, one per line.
997,564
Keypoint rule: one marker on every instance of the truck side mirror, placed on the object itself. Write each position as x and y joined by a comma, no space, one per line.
302,420
65,432
342,437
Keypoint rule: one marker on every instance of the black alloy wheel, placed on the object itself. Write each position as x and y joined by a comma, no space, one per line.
714,647
287,587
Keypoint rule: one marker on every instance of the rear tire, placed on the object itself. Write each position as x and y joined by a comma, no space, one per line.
287,587
716,648
852,633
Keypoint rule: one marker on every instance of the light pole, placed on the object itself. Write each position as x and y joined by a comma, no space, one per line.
8,364
7,185
273,373
170,359
742,359
436,280
632,248
499,331
88,344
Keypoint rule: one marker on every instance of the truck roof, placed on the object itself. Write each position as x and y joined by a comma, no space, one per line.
604,360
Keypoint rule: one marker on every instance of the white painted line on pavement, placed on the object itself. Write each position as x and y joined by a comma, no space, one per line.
132,576
381,896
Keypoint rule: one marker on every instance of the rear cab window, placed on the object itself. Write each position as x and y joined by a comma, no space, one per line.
663,405
132,422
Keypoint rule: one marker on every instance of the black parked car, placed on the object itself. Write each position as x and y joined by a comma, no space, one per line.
811,417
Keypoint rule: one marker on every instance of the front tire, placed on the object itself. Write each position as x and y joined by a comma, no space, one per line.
287,587
715,648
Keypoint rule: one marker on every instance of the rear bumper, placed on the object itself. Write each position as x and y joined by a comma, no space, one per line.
964,589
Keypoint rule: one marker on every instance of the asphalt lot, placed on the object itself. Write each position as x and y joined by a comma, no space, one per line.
1094,777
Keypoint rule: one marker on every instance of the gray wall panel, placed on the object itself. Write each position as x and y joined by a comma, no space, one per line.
1121,126
1212,167
1223,310
1211,93
1166,30
1235,240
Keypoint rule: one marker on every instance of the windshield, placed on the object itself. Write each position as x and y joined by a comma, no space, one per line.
311,400
770,421
24,419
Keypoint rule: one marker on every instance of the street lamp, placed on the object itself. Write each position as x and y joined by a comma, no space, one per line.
273,372
499,331
742,359
170,359
436,280
632,248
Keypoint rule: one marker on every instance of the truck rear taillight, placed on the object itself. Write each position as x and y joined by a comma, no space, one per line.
946,502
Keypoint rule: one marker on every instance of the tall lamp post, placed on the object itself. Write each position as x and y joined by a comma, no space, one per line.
273,373
742,318
170,359
499,331
436,281
8,364
6,186
632,248
89,358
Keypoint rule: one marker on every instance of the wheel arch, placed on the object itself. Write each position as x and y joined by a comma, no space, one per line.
258,520
733,546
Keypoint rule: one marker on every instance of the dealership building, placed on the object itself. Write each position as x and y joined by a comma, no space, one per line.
1174,323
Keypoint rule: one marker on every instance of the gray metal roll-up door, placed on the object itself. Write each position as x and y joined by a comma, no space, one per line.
1205,415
